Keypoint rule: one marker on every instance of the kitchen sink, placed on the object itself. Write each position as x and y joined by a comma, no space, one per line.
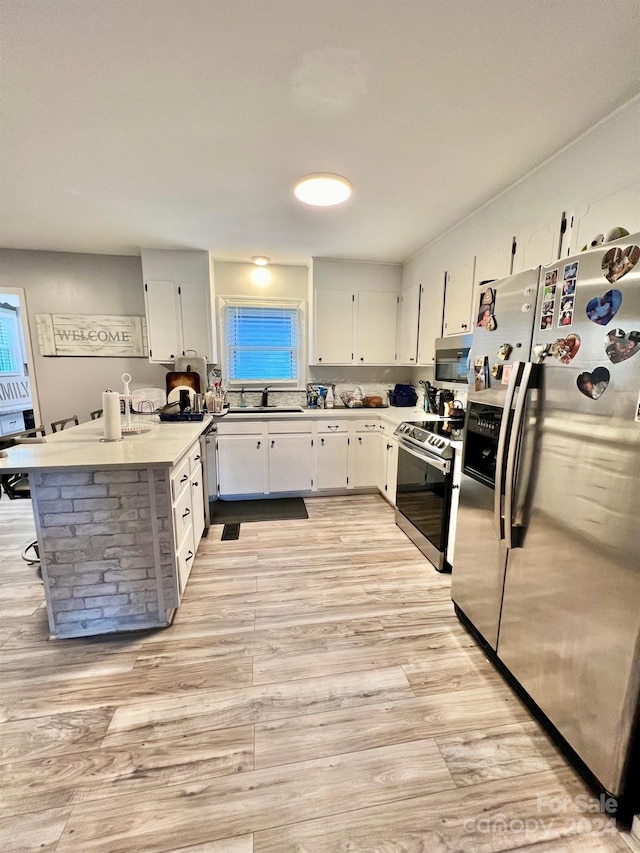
253,410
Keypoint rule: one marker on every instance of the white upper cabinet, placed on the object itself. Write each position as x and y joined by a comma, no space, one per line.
162,307
408,325
333,326
538,246
376,327
355,312
494,263
178,304
619,207
458,299
431,305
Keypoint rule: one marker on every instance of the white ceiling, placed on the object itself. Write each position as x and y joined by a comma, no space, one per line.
184,123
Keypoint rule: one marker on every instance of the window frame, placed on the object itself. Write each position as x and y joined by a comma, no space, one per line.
225,302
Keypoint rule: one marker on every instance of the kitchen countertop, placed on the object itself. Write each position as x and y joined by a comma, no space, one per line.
392,414
80,447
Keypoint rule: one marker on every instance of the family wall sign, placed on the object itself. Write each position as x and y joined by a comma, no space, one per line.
92,335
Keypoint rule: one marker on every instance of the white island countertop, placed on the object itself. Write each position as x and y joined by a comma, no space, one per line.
79,447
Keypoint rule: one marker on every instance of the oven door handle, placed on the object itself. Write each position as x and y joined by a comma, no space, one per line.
442,465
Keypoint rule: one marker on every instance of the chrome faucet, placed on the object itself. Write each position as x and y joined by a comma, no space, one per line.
265,397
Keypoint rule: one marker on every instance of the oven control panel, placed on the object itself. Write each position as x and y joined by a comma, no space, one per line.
428,441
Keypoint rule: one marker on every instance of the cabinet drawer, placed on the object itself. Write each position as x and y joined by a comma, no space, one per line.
370,425
280,427
333,426
179,478
195,458
11,423
182,514
184,560
240,427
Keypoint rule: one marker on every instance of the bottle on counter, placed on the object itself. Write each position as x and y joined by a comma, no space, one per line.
329,399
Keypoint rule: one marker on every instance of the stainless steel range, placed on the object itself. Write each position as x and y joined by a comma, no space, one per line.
428,483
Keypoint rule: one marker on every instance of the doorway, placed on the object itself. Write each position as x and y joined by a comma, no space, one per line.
19,406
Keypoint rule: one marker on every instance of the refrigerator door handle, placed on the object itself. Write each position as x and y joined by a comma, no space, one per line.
503,437
512,454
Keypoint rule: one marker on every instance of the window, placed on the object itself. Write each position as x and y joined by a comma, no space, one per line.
10,361
262,341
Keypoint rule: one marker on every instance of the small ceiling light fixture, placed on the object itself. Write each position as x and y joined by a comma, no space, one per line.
260,260
322,189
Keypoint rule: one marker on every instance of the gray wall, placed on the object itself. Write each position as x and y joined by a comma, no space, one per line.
62,282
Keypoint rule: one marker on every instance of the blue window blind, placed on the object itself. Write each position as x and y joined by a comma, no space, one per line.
9,345
262,343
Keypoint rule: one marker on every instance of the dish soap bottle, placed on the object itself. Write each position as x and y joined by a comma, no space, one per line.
329,399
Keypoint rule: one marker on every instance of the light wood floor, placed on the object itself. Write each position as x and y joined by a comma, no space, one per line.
316,694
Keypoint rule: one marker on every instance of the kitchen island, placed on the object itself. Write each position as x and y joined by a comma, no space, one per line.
118,523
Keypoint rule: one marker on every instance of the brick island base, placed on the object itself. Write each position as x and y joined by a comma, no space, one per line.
107,549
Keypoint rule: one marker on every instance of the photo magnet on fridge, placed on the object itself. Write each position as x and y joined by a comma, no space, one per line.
496,370
506,373
505,351
486,308
481,372
620,346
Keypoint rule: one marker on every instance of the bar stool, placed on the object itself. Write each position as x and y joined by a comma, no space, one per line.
97,413
17,485
57,426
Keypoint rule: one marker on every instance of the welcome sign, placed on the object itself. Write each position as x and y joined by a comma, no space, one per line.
92,335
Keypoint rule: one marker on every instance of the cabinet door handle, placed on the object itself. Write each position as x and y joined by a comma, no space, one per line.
332,427
186,512
258,445
360,439
189,557
319,358
464,325
273,444
195,483
389,446
361,358
370,426
184,478
322,441
172,355
197,458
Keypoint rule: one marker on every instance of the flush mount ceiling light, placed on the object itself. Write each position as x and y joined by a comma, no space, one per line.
322,189
260,260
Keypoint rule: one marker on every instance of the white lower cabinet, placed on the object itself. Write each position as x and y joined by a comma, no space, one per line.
290,463
364,460
389,469
242,465
332,458
187,511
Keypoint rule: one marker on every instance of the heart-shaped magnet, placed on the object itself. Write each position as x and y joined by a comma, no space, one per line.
593,385
602,309
618,262
565,349
620,346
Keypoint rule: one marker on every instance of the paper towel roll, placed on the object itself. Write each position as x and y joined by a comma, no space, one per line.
111,415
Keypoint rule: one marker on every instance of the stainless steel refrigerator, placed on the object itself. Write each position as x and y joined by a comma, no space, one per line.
547,565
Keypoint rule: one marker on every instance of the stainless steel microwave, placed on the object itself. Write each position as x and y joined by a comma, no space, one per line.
452,358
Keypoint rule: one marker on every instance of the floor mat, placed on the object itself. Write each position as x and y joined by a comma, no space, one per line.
273,509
